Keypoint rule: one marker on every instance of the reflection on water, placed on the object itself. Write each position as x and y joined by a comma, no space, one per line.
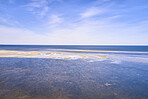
29,78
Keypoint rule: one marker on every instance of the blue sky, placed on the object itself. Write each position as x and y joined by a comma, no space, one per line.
63,22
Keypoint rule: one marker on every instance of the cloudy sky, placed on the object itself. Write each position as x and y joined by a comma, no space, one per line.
63,22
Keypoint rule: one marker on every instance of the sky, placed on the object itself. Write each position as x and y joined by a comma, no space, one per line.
74,22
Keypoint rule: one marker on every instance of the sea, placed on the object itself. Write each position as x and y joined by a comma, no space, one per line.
123,74
76,47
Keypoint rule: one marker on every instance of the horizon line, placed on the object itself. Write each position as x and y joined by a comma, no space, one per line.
81,44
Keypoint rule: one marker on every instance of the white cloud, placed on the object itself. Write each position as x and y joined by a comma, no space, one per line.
91,12
19,36
39,7
8,21
85,32
99,32
37,3
77,35
55,19
44,11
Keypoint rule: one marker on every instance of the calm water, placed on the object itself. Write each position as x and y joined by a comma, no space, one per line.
120,76
78,47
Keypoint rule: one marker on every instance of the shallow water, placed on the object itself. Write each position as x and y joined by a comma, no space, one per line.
40,78
73,72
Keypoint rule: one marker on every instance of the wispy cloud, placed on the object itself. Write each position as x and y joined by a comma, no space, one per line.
54,20
20,36
8,21
11,1
89,32
93,11
99,22
44,11
39,7
37,3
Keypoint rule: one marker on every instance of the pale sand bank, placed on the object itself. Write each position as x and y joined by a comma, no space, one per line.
49,54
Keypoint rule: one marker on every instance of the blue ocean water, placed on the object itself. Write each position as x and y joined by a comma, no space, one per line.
120,76
77,47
